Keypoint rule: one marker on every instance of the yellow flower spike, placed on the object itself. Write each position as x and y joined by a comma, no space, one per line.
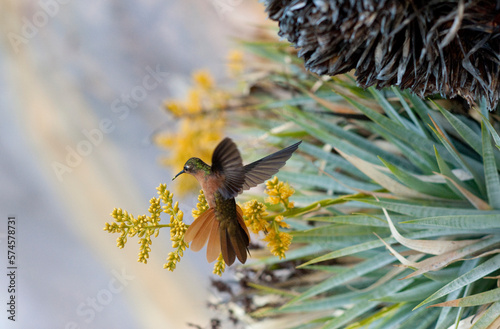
203,79
172,260
253,214
235,62
273,200
145,227
175,107
279,192
278,242
194,103
201,125
280,220
201,206
219,266
177,231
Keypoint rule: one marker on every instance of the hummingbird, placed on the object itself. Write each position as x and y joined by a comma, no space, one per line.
222,225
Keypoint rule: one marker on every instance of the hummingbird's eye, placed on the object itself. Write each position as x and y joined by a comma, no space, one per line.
186,168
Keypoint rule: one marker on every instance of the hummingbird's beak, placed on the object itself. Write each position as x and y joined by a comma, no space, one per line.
182,172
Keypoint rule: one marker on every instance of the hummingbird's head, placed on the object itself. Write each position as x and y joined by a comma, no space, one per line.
192,167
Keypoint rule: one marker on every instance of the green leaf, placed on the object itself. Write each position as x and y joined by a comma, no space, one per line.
424,209
301,100
447,172
348,251
468,135
331,242
331,159
490,171
396,317
466,163
354,139
373,171
364,303
328,138
350,314
474,300
269,50
298,253
488,317
352,183
421,108
417,124
420,320
437,190
491,129
463,222
357,219
321,304
420,159
357,270
413,294
312,180
475,274
409,136
373,244
338,230
387,107
446,315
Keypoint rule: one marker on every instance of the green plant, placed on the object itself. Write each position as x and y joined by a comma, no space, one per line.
407,198
396,205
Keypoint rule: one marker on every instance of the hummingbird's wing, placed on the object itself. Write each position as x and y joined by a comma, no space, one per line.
226,161
261,170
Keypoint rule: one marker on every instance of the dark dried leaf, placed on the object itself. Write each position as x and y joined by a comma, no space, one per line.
446,47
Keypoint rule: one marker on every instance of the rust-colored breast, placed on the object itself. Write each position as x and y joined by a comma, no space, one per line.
210,184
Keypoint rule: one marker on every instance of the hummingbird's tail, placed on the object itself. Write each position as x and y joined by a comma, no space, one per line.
234,239
231,239
205,227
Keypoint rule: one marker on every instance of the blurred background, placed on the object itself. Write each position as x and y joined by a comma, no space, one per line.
81,95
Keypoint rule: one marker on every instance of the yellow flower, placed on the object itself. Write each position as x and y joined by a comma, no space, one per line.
201,206
195,137
177,227
220,266
201,127
278,242
175,107
254,213
235,62
194,104
279,192
203,79
172,260
144,227
280,220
